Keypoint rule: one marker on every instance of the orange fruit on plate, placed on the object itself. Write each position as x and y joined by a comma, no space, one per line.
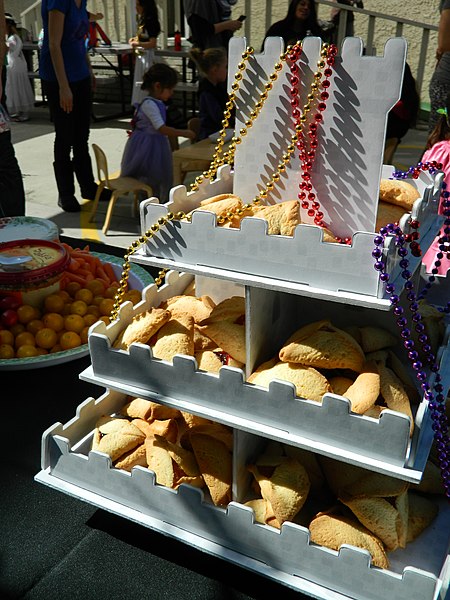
6,351
46,338
24,339
6,337
89,320
72,288
54,321
78,307
54,303
85,295
17,328
133,296
26,313
26,351
34,325
96,286
93,309
84,334
73,323
106,306
69,340
111,291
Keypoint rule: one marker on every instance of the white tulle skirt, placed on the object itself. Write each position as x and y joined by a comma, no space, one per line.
18,90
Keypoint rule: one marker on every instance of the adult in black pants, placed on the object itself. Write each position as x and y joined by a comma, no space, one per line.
66,76
12,195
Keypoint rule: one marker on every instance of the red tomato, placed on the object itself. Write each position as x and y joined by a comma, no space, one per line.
8,302
9,317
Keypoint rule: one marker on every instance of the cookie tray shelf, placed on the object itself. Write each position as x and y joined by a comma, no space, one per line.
231,533
328,428
302,264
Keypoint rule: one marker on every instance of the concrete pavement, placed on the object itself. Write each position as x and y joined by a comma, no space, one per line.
33,142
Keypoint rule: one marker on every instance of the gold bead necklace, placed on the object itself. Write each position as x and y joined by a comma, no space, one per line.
220,158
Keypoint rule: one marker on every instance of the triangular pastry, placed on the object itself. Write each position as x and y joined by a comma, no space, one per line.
333,531
175,337
142,327
228,336
282,217
308,382
322,345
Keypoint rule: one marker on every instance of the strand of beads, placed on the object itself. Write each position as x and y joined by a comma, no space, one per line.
414,173
436,399
292,54
218,160
308,154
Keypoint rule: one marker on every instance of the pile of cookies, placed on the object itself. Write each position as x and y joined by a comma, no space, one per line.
340,503
396,197
185,324
282,217
358,363
178,446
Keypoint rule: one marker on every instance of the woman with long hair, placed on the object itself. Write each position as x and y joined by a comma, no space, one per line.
300,21
144,44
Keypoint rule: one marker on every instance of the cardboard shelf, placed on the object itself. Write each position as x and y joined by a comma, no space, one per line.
419,572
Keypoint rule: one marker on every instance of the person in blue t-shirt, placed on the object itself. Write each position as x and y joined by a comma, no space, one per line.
66,76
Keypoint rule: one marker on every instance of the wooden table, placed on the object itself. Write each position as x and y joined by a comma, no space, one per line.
193,157
123,53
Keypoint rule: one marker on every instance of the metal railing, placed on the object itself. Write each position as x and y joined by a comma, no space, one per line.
422,60
416,33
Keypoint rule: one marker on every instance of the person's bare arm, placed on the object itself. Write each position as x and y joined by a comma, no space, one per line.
2,42
95,16
443,34
173,132
135,43
229,25
55,32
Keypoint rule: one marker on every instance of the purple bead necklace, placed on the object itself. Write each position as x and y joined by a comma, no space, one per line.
434,394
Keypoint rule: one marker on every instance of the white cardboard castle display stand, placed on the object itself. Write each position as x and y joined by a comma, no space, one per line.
294,280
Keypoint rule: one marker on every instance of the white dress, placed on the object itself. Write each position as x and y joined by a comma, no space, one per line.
18,89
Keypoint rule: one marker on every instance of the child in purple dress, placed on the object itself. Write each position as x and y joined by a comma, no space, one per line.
147,155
